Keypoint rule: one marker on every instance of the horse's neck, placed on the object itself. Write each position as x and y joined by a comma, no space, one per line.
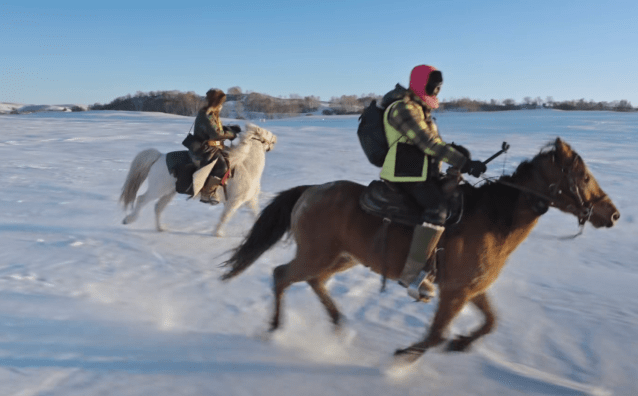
248,152
524,217
239,153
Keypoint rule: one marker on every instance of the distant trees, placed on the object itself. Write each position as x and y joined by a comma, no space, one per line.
172,102
351,104
175,102
233,93
269,105
346,104
466,104
582,104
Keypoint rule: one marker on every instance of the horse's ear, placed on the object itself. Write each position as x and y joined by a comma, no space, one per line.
563,151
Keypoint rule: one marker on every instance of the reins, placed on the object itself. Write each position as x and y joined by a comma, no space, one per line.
582,210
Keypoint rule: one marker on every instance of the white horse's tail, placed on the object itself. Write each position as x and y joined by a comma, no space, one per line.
140,167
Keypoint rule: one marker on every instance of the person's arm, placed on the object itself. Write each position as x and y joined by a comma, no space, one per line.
408,118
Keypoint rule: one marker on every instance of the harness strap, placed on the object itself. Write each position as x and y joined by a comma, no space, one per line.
381,239
226,176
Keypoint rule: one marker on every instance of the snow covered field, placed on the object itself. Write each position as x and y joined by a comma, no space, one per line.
89,306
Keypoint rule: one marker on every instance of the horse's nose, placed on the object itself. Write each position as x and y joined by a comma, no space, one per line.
614,218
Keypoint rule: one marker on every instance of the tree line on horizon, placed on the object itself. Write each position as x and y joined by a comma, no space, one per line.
254,104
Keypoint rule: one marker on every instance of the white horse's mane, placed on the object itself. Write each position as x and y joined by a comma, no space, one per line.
238,153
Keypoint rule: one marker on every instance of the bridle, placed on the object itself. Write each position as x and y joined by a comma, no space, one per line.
268,143
556,197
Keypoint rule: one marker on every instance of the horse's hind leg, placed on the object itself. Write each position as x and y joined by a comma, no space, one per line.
159,208
462,343
139,204
279,286
450,304
318,285
309,270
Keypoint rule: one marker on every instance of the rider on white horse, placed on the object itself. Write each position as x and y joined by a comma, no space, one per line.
206,144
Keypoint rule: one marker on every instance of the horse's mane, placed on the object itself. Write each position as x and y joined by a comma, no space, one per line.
497,200
239,152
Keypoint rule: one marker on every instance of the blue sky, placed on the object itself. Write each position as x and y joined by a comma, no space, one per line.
85,52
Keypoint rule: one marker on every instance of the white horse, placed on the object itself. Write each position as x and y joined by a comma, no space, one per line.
247,158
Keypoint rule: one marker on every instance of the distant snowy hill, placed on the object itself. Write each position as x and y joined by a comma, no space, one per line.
14,108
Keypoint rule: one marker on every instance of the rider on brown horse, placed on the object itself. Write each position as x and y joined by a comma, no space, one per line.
206,144
413,165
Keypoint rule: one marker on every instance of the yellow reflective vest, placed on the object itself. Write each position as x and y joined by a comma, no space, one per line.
395,140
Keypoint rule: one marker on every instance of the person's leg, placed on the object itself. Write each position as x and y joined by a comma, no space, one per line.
417,274
208,193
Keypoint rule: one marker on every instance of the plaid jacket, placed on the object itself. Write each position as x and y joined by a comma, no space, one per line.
413,120
409,123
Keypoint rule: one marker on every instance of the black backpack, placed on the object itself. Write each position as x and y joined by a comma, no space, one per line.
371,133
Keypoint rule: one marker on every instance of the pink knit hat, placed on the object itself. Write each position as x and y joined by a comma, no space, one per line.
423,80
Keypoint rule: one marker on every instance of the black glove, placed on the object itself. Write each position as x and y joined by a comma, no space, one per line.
474,168
234,128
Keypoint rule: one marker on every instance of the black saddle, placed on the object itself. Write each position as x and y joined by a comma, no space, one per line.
383,200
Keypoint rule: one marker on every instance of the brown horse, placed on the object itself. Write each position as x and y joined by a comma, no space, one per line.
333,234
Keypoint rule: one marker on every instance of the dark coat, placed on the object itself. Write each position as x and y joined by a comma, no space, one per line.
207,127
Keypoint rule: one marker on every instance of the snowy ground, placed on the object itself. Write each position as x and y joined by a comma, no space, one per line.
89,306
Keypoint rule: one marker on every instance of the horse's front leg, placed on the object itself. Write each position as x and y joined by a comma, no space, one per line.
253,204
450,304
462,343
230,207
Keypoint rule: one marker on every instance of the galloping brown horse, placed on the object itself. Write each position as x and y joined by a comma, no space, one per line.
333,234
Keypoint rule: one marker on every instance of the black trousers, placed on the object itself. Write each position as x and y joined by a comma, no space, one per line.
221,167
430,196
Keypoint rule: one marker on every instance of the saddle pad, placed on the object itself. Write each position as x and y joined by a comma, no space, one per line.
175,158
378,199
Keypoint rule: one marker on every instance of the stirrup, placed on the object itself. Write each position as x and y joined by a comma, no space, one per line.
210,200
422,288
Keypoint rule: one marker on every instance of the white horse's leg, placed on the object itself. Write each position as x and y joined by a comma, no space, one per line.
253,203
230,207
139,204
159,207
160,184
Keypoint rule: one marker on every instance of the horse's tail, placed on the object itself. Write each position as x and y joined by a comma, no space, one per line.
270,227
140,167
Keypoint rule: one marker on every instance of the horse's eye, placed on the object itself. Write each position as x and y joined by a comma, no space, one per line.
586,179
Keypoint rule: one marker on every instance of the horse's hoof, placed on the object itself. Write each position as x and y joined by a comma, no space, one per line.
219,234
402,364
407,355
265,336
459,344
344,334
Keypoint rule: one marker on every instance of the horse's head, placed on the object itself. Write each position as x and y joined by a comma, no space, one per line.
572,187
267,138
